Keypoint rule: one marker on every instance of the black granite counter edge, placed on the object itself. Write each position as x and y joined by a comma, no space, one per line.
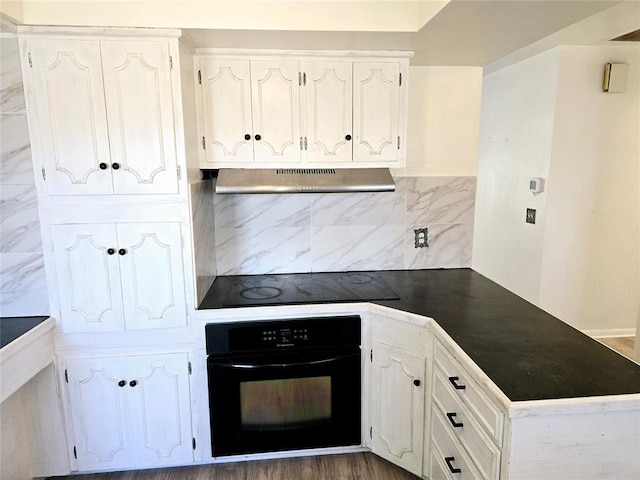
526,352
11,328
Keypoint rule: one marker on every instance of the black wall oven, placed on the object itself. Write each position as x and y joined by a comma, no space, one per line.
284,385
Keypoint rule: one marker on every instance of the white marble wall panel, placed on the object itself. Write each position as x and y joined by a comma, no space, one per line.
201,197
11,90
347,232
19,222
263,250
262,211
450,246
15,150
349,209
440,200
445,207
23,288
343,248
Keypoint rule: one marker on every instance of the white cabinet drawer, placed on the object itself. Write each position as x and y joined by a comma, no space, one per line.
464,388
460,422
448,458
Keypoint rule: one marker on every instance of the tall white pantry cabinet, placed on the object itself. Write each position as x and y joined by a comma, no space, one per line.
106,125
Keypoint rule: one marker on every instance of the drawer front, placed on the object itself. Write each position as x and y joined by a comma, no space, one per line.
466,429
484,410
445,451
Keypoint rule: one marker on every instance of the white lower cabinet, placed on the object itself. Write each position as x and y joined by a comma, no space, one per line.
132,411
397,396
466,426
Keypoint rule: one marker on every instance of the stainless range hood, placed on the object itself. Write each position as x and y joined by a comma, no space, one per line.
304,180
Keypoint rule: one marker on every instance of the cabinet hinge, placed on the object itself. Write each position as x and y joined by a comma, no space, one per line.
200,77
305,143
300,78
179,172
44,174
30,62
372,354
398,142
66,375
400,81
304,79
75,452
193,442
371,433
190,370
170,63
204,144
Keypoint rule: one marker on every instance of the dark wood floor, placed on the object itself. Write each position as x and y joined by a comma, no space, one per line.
355,466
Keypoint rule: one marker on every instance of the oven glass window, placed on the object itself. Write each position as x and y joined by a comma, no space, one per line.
285,404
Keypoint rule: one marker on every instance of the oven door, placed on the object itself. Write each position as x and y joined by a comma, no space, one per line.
284,401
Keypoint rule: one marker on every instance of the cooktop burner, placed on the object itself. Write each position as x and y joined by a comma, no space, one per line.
290,289
260,293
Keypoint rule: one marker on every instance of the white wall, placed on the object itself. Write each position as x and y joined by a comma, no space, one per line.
590,260
443,121
516,128
547,116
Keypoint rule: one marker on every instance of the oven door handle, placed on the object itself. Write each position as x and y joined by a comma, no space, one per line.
281,365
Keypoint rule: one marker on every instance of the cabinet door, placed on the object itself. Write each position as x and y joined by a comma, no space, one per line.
130,411
98,393
139,102
375,111
161,415
275,100
88,276
226,98
71,118
152,275
329,111
398,406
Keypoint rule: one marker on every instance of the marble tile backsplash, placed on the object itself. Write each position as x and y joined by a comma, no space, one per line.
258,234
23,287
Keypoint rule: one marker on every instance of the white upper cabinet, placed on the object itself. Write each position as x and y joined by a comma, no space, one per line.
275,101
71,116
227,128
376,112
329,112
103,120
137,83
308,109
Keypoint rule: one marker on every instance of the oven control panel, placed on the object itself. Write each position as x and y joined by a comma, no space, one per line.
225,338
286,336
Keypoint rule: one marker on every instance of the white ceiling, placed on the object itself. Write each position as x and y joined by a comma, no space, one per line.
457,32
464,32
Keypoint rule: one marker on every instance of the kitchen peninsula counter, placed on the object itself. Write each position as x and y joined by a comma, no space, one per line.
526,352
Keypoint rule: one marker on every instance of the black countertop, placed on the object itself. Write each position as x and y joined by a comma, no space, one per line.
13,327
527,353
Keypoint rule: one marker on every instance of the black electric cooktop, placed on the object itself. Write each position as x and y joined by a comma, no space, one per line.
292,289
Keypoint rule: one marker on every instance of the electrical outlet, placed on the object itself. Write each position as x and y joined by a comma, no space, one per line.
531,215
421,237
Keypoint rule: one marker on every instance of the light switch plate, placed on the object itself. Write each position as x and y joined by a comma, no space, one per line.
531,215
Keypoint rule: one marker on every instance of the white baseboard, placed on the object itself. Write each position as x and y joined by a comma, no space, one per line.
611,332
